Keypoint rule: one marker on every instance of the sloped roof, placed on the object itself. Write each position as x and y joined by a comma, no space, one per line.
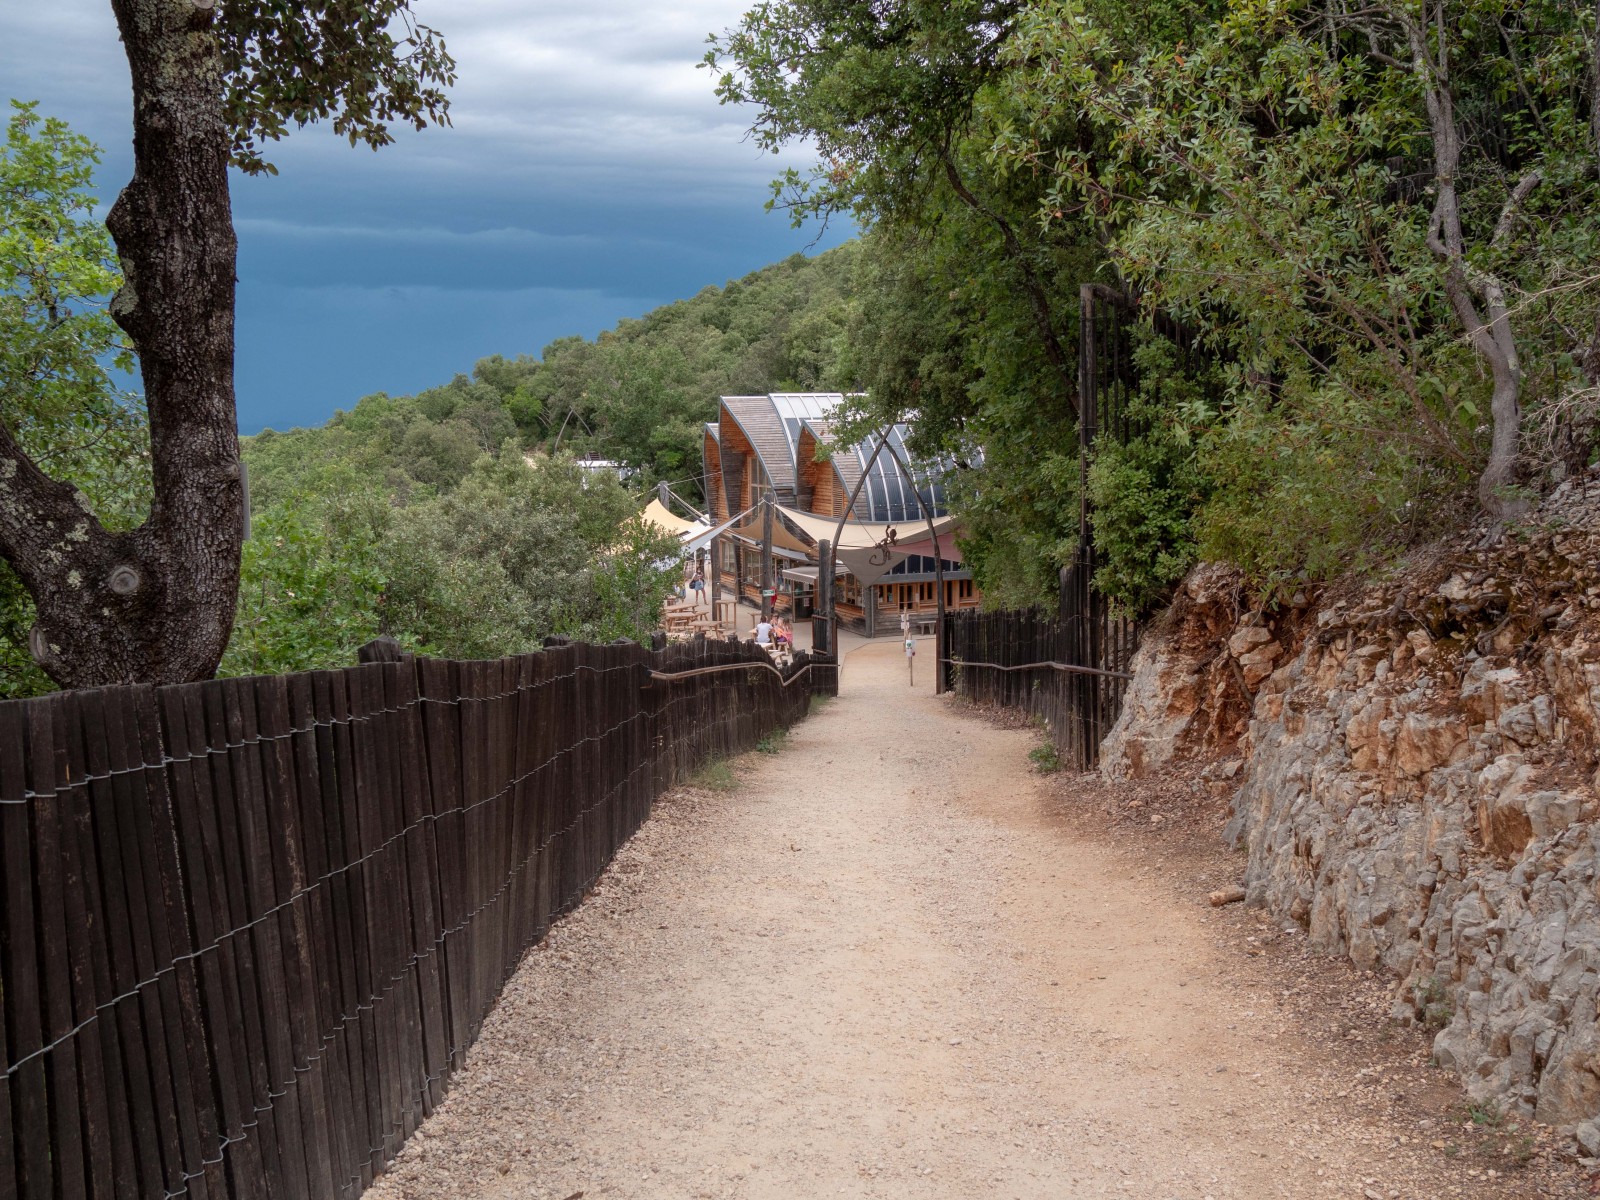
762,425
773,425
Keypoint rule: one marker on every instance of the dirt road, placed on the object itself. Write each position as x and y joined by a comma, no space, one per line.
875,970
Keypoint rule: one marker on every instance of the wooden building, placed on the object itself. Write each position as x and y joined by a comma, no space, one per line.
765,448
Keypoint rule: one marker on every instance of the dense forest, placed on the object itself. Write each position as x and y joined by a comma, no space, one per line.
458,520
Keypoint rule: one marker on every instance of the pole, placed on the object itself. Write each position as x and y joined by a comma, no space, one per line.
766,558
938,576
824,599
714,569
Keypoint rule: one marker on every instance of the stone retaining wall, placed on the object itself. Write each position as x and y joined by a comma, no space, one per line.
1413,777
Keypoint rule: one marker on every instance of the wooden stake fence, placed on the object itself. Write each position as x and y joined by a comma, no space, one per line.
1072,672
249,927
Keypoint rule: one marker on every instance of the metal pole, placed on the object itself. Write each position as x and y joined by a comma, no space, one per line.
714,569
938,575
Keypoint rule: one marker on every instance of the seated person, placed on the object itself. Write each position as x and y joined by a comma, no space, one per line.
781,632
764,632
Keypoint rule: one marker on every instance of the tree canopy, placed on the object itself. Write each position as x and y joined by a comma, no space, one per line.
1374,226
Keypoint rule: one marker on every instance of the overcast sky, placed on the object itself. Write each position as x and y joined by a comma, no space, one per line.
590,175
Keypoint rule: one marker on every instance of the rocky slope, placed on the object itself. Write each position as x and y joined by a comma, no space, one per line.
1413,774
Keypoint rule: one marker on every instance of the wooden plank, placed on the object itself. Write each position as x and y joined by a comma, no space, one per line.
238,1173
139,1157
399,988
312,792
384,1085
522,901
183,1051
410,867
8,1162
24,1007
47,771
441,728
282,809
236,943
141,1014
90,978
351,906
310,710
268,877
422,877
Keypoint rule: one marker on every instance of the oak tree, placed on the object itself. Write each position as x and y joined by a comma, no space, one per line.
212,83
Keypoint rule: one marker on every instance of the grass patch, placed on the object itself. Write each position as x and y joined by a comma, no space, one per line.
1045,758
818,703
774,742
1486,1115
715,776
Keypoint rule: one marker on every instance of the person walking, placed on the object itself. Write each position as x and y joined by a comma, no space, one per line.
697,585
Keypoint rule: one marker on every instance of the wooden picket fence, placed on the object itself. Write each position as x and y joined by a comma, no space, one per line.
1071,672
249,927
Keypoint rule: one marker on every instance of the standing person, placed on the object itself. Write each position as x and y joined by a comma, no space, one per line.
697,585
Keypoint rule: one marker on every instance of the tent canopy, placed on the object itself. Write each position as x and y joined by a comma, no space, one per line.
868,535
663,518
783,539
860,547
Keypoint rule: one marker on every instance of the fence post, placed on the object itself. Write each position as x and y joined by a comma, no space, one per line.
824,611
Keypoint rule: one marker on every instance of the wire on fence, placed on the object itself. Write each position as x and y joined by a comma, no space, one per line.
248,927
1071,671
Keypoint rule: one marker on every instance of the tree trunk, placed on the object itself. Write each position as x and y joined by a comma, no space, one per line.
1489,332
154,605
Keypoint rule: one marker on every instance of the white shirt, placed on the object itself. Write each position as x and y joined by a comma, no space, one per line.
764,633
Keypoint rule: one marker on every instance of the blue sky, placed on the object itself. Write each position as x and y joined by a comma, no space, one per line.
590,175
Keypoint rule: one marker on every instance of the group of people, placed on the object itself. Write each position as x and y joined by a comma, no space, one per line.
775,631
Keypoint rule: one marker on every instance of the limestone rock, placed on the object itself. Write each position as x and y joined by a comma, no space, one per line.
1247,639
1426,741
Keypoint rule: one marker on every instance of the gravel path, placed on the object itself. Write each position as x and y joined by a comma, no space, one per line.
877,969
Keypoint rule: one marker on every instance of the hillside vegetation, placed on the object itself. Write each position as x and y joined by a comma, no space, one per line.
458,520
637,394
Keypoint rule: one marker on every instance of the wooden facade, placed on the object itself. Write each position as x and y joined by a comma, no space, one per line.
763,446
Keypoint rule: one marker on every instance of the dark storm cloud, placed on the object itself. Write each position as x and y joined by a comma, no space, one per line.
589,175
